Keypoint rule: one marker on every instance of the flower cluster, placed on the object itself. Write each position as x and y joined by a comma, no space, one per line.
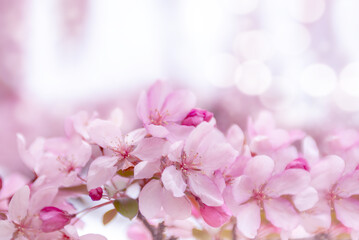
193,179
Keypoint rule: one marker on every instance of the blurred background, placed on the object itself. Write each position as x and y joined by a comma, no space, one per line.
296,58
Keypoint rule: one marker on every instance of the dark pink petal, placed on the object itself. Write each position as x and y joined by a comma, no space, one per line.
96,194
54,219
299,163
215,216
196,116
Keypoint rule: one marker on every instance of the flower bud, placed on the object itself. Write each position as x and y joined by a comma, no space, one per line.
54,219
215,216
300,163
96,194
196,116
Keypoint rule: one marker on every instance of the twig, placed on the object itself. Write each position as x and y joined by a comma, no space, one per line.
234,232
160,230
147,225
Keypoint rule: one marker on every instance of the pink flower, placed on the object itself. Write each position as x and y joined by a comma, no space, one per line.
161,108
138,232
194,162
119,152
196,116
54,219
259,190
96,194
337,193
215,216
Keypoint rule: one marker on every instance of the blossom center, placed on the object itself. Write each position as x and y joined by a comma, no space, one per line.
158,118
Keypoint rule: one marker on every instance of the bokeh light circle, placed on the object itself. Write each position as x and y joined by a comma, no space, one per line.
253,77
349,79
318,80
241,7
306,11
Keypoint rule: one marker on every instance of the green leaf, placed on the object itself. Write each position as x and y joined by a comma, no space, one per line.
109,216
201,234
129,172
126,207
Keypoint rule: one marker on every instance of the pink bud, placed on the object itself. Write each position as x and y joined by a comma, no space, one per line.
298,163
215,216
196,116
54,219
96,194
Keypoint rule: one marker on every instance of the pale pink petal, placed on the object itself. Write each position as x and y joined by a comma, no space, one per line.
30,156
283,157
310,150
318,218
157,94
146,169
175,151
178,132
291,181
306,199
178,104
137,231
215,216
196,137
218,156
135,136
150,199
19,204
249,219
176,207
259,169
279,138
101,170
264,123
92,237
281,213
348,185
327,172
105,133
242,188
6,230
204,188
81,155
143,108
173,181
235,137
347,211
157,130
150,149
229,200
42,197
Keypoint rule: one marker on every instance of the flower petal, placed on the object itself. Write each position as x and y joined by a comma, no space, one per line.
146,169
101,170
235,137
178,104
327,172
249,219
259,169
215,216
310,150
150,199
348,185
6,230
177,207
218,156
19,204
92,237
157,130
306,199
291,181
318,218
196,137
242,189
204,188
150,149
104,133
347,211
281,213
173,181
